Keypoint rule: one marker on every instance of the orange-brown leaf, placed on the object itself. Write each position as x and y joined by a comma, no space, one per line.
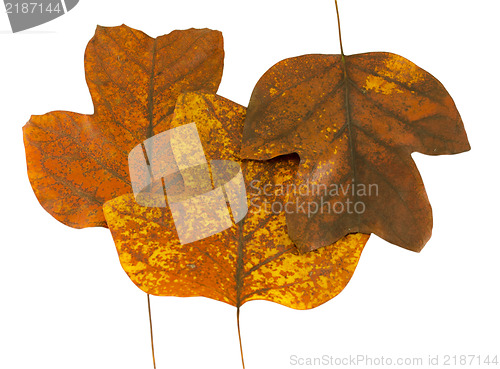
77,162
354,122
254,259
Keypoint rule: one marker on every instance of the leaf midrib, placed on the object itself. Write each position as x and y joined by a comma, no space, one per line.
348,123
150,110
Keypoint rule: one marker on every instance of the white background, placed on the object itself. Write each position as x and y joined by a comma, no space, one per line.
66,303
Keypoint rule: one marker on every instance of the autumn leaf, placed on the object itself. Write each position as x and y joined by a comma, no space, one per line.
77,162
255,258
354,122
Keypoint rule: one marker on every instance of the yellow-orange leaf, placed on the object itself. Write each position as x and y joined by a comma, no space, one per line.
255,259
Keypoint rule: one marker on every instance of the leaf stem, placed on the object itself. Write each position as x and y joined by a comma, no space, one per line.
239,335
340,33
151,332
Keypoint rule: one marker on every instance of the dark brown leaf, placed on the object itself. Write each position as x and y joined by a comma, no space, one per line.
354,123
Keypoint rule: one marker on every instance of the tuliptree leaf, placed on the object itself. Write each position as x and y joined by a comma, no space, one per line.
77,162
354,122
254,259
